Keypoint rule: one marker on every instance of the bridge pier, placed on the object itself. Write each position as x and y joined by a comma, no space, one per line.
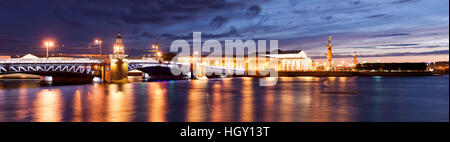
197,71
118,71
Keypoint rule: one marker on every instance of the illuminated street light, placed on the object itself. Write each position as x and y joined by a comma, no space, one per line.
155,48
158,56
99,42
47,45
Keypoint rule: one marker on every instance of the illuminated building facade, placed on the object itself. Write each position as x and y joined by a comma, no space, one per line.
119,65
288,61
293,61
119,47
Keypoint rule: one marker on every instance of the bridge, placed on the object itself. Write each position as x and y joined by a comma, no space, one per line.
108,70
112,68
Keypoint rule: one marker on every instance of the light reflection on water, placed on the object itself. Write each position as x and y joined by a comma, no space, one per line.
48,106
232,99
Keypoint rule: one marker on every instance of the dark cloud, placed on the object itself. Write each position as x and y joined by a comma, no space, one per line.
232,32
145,21
14,5
181,17
377,16
141,11
355,2
71,22
403,1
293,2
254,10
391,35
400,44
414,53
437,52
218,21
327,17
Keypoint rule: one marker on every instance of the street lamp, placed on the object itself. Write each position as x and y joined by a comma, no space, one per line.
155,48
47,45
158,55
99,42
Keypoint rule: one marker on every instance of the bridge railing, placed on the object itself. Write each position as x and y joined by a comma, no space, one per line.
49,61
142,61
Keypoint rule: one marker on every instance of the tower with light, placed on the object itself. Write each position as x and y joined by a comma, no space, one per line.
329,54
119,48
118,63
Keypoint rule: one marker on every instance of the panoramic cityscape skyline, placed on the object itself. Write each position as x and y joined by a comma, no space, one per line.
389,31
225,69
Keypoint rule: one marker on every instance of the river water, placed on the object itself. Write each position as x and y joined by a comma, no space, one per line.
293,99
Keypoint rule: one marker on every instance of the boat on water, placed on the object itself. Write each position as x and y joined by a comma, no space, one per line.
161,73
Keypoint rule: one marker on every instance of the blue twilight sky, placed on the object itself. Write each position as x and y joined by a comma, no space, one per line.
375,28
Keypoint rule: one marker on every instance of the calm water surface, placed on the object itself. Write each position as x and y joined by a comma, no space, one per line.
231,99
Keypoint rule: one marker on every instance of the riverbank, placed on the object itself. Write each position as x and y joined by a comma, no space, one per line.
345,74
280,74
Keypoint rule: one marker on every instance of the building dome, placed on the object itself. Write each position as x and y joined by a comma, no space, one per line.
119,48
119,39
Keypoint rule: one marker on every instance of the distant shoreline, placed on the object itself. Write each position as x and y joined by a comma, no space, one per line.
289,74
344,74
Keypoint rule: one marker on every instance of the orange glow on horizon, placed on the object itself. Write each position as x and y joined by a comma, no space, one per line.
393,59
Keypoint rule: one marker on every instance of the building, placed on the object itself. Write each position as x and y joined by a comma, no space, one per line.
292,61
119,48
29,56
441,66
5,57
118,64
288,61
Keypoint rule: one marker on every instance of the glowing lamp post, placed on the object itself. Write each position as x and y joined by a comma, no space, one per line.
47,45
99,43
155,48
158,55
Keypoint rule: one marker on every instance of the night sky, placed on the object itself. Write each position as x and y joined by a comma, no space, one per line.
385,29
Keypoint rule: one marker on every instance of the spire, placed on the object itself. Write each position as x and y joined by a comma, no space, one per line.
119,39
329,39
118,35
355,58
119,48
329,54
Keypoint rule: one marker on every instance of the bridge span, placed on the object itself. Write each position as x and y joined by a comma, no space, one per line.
86,69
